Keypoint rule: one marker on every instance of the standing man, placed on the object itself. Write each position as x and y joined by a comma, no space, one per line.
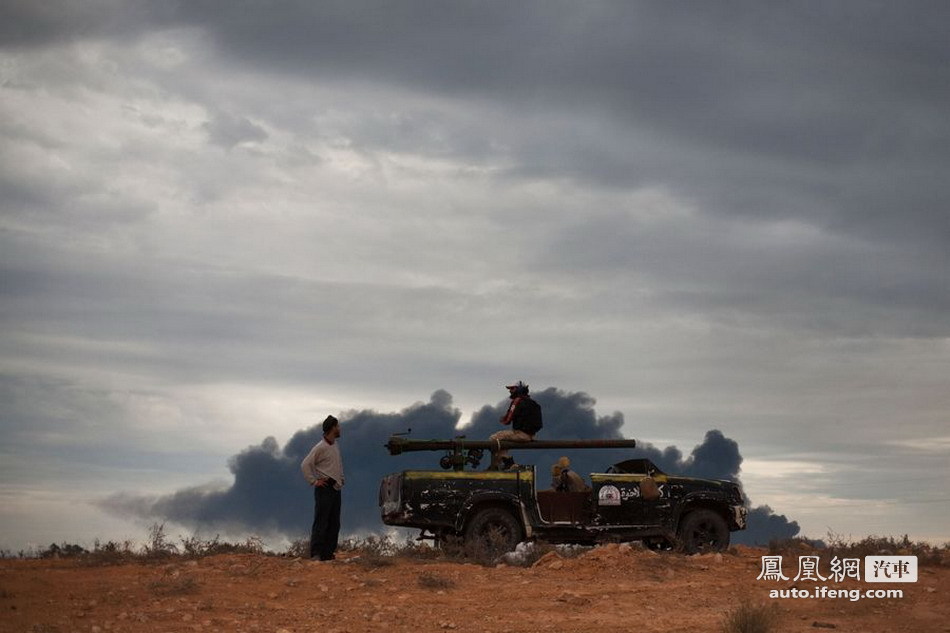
524,417
323,469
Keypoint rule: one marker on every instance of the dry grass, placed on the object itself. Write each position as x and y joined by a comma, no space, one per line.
372,552
844,547
194,547
418,550
175,586
157,548
382,551
750,617
428,580
927,554
487,550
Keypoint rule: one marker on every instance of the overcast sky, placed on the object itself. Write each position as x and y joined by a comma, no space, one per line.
220,222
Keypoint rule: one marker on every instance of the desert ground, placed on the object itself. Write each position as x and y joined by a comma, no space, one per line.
605,589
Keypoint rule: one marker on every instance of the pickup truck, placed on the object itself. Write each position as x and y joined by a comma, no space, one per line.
630,500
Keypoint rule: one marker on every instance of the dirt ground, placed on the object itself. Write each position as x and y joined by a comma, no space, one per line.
610,588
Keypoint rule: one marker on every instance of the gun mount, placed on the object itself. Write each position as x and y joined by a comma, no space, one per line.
456,448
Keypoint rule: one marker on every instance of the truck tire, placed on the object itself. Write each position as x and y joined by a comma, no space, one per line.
703,531
492,532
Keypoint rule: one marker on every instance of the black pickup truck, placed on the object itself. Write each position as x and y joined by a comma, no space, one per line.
630,500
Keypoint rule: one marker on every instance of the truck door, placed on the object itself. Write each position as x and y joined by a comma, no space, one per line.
619,499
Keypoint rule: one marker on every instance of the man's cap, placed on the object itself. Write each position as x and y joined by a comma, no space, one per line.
519,385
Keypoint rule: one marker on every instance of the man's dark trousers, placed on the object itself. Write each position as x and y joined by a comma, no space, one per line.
326,522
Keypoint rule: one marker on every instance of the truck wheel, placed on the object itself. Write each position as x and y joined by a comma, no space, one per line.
703,531
492,532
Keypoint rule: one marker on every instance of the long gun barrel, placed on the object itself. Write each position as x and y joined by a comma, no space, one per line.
398,445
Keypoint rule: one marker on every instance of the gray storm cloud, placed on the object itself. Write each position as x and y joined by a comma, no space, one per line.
269,496
778,106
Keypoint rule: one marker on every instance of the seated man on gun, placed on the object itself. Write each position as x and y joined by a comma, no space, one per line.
524,418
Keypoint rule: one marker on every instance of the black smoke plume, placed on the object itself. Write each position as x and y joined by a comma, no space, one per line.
270,497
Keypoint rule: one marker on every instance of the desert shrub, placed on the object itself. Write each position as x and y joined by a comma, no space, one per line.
797,546
418,550
110,553
158,546
487,550
926,553
174,586
373,551
251,545
451,547
196,547
750,617
380,550
298,549
428,580
66,550
845,547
